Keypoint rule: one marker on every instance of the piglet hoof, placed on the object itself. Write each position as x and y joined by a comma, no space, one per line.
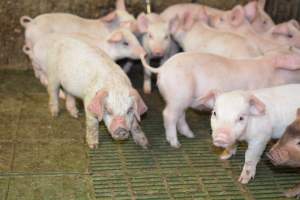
93,145
189,134
54,111
247,175
74,113
175,144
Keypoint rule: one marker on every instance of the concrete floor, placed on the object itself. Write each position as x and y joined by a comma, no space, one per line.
46,158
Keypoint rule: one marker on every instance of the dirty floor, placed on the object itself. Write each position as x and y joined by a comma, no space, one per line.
45,158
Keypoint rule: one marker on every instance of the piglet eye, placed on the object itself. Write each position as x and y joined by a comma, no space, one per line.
125,43
298,143
264,22
241,118
166,37
150,35
290,36
221,19
214,113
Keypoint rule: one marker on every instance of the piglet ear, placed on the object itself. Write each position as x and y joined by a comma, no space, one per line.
257,107
142,22
237,15
251,10
208,100
139,105
202,15
97,104
262,4
294,23
115,37
188,21
110,17
120,5
174,24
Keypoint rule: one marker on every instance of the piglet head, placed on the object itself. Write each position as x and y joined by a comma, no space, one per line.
287,149
156,33
124,44
287,33
230,115
118,110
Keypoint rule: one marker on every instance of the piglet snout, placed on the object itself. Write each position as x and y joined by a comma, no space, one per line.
158,52
120,134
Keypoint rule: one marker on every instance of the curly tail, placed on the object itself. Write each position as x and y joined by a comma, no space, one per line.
25,20
27,50
147,66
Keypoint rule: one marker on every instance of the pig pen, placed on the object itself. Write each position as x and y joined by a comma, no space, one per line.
47,158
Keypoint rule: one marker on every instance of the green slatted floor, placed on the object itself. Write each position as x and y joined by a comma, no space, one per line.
47,159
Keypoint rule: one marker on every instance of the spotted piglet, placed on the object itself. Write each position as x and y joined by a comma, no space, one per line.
86,72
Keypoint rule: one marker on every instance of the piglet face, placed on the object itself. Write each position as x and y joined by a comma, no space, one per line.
157,38
119,110
287,33
230,116
118,115
287,150
228,121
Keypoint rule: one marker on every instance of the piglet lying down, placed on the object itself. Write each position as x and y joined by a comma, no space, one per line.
253,116
186,77
85,71
286,151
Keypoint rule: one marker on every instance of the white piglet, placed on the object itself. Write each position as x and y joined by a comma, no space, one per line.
36,28
156,40
252,116
86,72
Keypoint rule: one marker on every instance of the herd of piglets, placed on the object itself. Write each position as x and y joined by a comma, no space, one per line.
237,63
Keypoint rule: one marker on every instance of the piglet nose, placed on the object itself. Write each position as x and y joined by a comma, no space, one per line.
121,134
158,52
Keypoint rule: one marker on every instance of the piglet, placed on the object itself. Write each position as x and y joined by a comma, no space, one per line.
287,33
67,23
156,40
286,151
242,18
187,76
121,43
197,36
253,116
86,72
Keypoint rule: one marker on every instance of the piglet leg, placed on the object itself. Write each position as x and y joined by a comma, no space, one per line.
170,116
53,88
184,128
293,192
71,105
252,156
92,126
138,135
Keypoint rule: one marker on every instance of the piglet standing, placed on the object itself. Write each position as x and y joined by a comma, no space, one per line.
253,116
86,72
286,152
187,76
